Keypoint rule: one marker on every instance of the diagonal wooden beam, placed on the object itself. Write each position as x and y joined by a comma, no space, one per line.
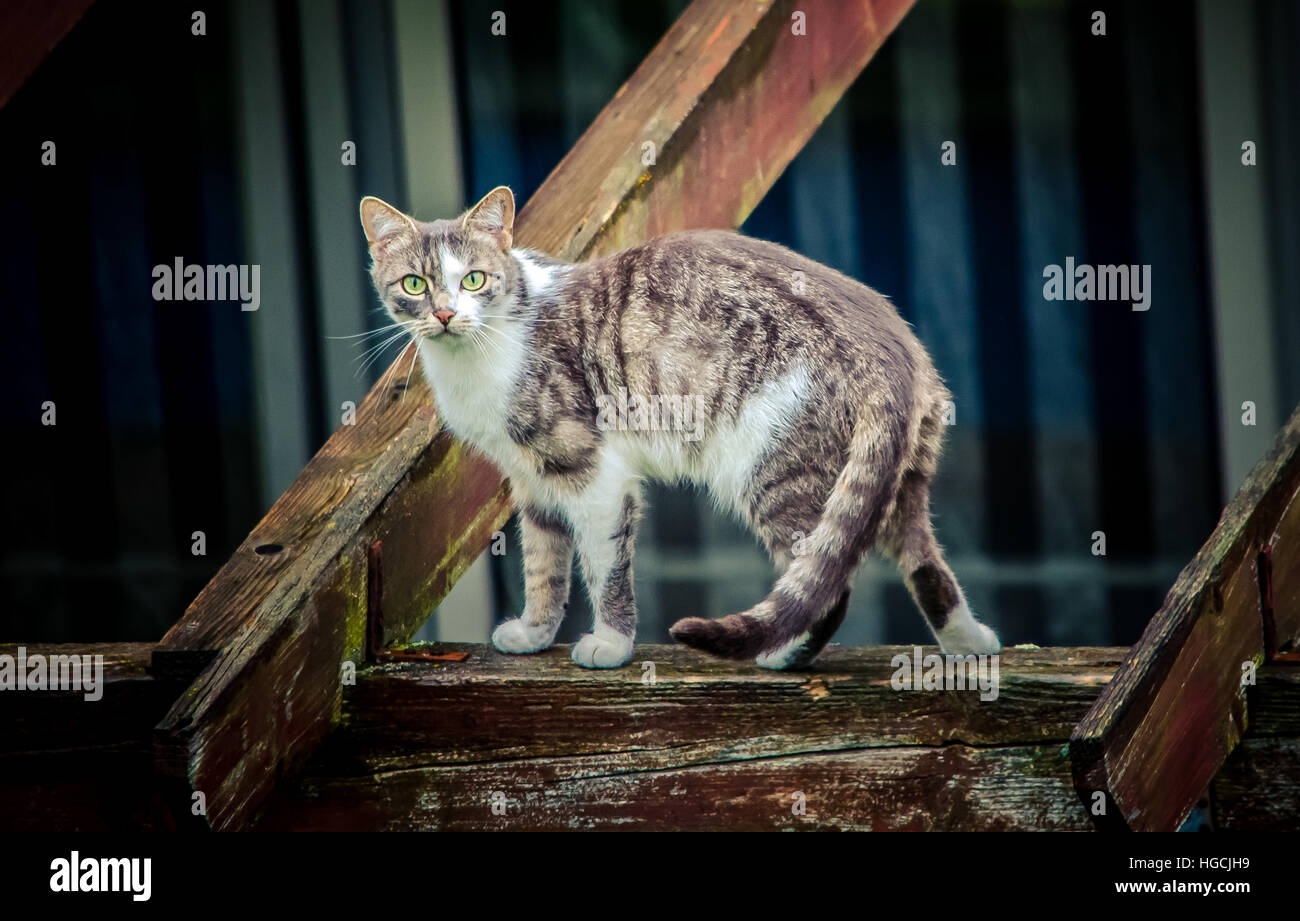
1176,708
377,527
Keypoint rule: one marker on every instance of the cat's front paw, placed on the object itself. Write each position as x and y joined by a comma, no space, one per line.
518,637
609,650
969,639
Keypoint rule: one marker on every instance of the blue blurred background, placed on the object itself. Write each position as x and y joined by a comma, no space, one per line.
1071,417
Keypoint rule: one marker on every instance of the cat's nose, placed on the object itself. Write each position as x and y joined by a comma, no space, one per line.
444,315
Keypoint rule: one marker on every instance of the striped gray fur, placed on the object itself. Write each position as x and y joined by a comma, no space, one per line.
816,417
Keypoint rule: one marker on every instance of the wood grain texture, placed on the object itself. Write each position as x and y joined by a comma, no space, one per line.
1282,615
1161,730
884,789
708,744
430,504
1258,788
1273,703
318,519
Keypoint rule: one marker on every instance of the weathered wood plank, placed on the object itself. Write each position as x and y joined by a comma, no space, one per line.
318,520
72,764
65,719
1282,560
493,707
371,493
954,787
1258,788
423,744
1161,730
265,704
1273,703
432,526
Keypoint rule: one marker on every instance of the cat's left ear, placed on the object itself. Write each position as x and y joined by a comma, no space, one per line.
495,214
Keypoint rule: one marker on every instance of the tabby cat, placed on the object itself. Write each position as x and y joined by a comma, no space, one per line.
818,424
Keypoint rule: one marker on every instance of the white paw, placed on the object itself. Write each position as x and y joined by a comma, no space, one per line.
606,651
517,637
793,654
971,638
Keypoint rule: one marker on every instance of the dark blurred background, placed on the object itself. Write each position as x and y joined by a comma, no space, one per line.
1071,417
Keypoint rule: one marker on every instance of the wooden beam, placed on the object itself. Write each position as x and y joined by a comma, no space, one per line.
705,744
1258,789
72,764
1162,729
727,97
29,30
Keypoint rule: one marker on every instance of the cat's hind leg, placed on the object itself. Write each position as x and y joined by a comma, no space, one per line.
784,504
910,541
548,559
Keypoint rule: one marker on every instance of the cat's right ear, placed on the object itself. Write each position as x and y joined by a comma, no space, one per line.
381,222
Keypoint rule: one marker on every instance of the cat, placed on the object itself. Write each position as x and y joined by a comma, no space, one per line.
820,425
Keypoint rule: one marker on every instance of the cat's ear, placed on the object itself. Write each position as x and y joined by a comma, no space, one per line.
494,214
381,221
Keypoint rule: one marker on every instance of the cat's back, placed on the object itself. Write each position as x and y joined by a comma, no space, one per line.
730,277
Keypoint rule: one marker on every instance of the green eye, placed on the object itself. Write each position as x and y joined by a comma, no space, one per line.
414,285
473,281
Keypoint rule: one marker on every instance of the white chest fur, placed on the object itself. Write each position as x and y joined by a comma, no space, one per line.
473,393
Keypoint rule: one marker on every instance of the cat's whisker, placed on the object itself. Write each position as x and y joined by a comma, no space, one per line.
478,346
371,348
377,352
365,361
401,328
415,355
485,343
535,354
523,319
483,328
396,361
374,359
368,333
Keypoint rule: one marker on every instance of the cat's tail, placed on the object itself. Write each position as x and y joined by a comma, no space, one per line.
790,626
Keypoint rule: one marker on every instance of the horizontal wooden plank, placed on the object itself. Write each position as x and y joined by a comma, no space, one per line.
1161,730
954,787
436,731
1273,702
130,702
369,496
496,707
1258,788
72,764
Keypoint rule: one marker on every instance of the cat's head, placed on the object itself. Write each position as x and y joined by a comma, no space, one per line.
443,278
